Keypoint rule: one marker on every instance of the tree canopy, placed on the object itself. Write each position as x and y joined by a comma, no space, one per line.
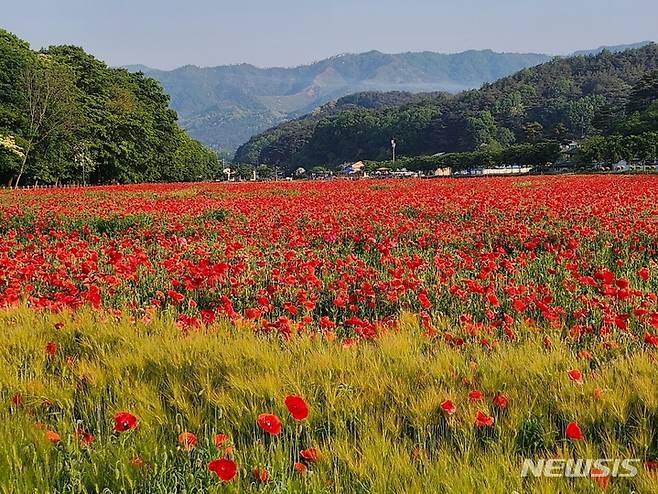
71,118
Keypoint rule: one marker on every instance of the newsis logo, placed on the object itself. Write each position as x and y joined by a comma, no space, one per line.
580,467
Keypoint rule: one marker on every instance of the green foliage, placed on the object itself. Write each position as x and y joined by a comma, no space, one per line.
636,135
214,215
115,224
613,148
519,154
101,125
567,98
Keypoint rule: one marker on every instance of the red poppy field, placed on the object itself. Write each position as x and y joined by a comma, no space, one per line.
367,336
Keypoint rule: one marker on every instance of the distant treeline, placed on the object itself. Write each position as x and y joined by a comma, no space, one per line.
610,94
66,117
522,154
595,150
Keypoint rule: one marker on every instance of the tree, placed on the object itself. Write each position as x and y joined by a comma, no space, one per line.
533,131
11,154
49,105
644,92
263,171
245,171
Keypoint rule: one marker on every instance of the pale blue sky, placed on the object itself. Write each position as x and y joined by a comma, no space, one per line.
167,34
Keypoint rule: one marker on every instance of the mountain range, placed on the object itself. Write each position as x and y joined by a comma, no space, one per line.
225,106
566,98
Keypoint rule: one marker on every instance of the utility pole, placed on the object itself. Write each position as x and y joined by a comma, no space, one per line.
393,149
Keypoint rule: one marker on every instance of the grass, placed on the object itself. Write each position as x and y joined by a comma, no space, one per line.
374,409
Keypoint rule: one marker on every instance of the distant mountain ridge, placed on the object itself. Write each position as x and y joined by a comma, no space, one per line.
225,106
612,49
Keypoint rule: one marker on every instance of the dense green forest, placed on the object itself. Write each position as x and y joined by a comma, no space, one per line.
66,117
633,137
566,98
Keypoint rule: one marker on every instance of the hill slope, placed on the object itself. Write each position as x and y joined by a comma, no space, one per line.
564,98
224,106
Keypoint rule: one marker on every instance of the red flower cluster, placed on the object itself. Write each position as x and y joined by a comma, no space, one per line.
351,255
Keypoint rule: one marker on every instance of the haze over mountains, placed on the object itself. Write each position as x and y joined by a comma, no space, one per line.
224,106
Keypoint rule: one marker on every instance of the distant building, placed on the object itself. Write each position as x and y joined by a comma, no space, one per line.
621,166
445,171
358,167
354,169
569,146
382,172
507,170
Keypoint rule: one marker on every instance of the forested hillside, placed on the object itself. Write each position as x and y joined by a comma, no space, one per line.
565,98
226,105
66,117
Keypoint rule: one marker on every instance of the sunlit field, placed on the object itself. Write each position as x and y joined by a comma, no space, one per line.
365,336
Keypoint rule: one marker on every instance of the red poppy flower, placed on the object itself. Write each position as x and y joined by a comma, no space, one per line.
187,441
500,400
424,301
220,439
124,421
573,432
349,342
176,297
53,437
51,348
297,407
84,437
261,475
576,376
326,323
475,395
518,306
223,468
598,393
137,462
252,314
650,339
448,407
311,455
300,468
17,400
483,420
599,477
269,423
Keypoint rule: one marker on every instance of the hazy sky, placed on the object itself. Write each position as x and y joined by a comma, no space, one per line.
168,33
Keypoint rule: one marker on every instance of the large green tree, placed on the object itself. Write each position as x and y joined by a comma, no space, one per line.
74,119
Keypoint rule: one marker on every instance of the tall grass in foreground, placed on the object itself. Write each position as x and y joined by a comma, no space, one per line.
374,410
